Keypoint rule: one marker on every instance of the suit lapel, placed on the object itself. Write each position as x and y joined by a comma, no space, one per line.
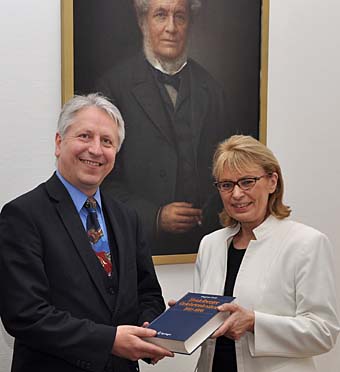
73,225
148,96
121,246
184,90
199,103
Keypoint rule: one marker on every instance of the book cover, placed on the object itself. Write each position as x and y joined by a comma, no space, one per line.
185,326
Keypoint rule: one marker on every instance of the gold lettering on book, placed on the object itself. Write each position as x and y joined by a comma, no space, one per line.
198,305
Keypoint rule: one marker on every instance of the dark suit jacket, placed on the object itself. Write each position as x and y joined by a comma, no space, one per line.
54,297
146,167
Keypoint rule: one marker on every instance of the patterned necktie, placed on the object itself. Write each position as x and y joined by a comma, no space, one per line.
96,236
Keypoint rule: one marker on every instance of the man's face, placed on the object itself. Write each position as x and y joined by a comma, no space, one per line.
86,153
167,24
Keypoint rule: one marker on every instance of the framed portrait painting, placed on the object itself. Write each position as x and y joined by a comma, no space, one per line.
185,74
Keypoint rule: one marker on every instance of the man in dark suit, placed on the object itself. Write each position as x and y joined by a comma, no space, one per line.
78,284
175,115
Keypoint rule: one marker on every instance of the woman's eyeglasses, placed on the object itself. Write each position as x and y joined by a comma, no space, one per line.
244,184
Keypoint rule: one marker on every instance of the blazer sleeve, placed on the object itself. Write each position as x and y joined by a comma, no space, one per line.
314,328
197,286
26,305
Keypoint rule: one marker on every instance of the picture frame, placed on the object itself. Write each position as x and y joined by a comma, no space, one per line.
241,65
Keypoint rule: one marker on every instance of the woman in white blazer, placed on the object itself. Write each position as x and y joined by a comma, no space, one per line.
281,272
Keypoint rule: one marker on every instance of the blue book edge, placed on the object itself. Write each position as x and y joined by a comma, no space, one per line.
180,323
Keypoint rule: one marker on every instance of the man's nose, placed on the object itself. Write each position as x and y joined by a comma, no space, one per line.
96,146
171,24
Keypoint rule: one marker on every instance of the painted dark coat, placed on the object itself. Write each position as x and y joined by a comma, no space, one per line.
145,175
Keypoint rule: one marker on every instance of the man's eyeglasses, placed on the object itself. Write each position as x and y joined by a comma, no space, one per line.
244,184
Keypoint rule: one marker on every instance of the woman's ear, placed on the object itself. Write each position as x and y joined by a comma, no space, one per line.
273,178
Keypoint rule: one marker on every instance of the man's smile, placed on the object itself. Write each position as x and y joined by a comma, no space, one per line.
91,162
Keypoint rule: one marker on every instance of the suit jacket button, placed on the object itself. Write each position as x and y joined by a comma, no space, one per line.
88,365
162,173
111,290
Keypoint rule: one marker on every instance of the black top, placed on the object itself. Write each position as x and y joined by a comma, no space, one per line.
225,355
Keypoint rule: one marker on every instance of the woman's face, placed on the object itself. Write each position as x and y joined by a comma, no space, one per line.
249,207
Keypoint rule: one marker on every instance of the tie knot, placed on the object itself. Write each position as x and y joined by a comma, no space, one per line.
173,80
90,203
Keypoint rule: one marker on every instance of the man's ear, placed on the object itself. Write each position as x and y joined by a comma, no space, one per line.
57,142
140,23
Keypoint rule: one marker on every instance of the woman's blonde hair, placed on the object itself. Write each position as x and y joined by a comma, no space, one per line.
240,153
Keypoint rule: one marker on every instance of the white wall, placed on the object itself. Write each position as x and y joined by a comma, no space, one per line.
304,116
302,119
29,92
29,102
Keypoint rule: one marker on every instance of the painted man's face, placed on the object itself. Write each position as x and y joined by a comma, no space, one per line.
167,23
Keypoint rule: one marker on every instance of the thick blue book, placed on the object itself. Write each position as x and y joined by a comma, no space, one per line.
185,326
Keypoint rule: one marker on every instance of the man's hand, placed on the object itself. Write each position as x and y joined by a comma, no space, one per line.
237,324
128,344
179,217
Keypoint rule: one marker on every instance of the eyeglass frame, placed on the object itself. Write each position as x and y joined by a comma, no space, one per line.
217,184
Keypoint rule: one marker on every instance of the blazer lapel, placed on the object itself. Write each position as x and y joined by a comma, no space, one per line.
121,249
148,96
75,229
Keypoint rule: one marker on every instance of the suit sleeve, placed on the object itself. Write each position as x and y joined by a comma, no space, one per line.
26,306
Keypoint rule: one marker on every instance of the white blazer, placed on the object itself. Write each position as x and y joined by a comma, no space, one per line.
287,278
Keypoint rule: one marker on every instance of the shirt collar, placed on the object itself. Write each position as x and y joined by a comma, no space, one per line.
158,67
155,63
78,197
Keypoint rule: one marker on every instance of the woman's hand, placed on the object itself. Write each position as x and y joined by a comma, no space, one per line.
172,302
237,324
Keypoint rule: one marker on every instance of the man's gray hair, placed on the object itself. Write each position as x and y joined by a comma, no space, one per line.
77,103
142,7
